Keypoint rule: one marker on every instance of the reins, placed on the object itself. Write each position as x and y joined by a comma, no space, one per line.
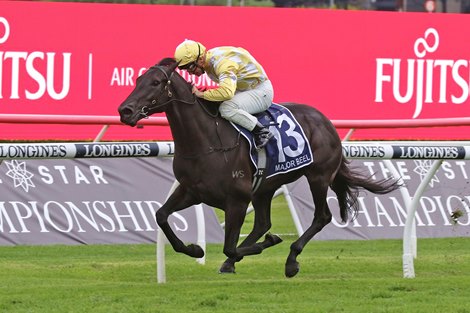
146,111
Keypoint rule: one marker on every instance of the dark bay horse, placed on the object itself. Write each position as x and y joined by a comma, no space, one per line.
208,151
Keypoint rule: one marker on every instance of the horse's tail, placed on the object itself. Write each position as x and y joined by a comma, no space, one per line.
347,184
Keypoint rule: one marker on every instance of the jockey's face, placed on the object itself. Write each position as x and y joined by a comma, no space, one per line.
196,70
196,67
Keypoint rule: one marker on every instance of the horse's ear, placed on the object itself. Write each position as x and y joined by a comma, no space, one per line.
168,62
174,65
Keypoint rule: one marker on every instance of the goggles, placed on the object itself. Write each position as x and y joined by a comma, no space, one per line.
192,66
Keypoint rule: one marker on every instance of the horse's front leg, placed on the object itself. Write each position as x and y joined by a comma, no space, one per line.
178,200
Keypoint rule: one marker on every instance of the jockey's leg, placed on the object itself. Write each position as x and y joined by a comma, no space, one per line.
262,135
240,108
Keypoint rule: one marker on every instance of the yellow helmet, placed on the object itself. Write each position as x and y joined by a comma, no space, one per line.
188,52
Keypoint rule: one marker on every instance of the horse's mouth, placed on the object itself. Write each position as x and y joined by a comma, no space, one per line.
128,121
131,124
128,117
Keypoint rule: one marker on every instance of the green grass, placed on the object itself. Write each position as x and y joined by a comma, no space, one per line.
335,276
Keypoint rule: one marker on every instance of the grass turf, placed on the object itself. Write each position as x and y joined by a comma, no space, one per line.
335,276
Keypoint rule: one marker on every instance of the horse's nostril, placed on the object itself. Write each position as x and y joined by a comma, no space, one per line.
125,112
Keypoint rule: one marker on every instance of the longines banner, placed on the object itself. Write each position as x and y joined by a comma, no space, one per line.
114,201
91,201
85,150
444,209
82,58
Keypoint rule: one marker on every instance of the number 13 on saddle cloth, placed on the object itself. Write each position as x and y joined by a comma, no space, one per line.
288,150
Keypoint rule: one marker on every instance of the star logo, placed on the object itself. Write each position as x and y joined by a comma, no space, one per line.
21,177
422,168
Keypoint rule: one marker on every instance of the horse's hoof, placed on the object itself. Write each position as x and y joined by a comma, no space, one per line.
292,269
273,239
227,268
195,251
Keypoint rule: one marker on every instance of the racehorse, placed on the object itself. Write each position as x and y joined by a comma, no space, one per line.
208,151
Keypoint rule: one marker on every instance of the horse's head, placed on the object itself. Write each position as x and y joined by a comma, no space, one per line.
153,92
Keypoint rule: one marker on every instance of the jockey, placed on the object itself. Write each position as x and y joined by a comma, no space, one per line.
244,87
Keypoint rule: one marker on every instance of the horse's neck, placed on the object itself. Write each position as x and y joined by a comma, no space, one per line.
192,128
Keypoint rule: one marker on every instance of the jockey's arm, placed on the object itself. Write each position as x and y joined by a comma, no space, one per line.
226,72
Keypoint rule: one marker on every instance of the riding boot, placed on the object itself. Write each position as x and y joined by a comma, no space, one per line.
261,135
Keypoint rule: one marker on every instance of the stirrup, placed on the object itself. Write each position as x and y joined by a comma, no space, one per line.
262,139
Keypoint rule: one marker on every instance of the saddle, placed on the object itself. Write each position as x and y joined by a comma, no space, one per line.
288,150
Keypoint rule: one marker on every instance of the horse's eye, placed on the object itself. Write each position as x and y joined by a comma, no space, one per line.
156,82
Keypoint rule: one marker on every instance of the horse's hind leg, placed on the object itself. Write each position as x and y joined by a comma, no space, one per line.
178,200
322,216
235,211
262,223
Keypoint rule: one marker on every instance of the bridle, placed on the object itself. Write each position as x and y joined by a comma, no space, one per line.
146,111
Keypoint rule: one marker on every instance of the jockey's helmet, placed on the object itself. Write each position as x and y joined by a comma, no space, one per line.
188,52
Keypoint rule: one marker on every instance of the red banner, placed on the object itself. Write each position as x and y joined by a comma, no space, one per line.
77,58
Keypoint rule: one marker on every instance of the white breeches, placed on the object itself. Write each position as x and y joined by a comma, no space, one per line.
244,103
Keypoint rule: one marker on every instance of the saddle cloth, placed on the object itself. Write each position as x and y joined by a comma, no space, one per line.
288,150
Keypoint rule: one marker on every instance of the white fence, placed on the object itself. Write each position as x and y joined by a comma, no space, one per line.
437,151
